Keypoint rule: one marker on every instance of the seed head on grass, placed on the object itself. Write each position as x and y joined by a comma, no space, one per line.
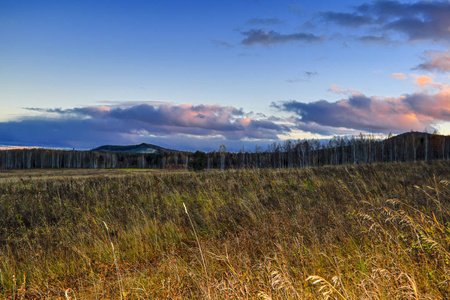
326,288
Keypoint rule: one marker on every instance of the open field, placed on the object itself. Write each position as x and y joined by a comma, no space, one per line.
379,231
52,174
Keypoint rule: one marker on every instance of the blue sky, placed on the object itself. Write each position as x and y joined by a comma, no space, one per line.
197,74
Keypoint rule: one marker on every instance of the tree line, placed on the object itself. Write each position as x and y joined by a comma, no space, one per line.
411,146
51,158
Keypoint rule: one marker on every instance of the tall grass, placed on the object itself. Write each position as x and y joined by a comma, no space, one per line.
378,231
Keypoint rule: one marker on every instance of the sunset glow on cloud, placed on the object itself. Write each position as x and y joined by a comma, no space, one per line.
436,61
399,76
423,81
372,114
342,91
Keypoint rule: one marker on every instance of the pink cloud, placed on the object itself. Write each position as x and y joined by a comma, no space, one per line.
373,114
436,107
436,61
398,76
423,81
104,108
343,91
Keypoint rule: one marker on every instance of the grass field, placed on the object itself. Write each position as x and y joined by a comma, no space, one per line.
379,231
16,175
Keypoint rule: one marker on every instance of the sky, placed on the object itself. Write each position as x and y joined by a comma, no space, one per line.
192,75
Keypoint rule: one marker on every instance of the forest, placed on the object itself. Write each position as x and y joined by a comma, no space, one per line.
406,147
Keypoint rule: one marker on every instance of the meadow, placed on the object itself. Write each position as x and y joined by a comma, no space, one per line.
373,231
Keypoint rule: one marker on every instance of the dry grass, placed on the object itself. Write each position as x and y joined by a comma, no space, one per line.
55,174
359,232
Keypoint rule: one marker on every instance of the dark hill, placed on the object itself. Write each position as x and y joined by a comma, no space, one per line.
411,135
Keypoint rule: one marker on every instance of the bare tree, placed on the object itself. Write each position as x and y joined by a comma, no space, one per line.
223,152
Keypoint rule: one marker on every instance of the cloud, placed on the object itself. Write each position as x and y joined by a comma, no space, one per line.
124,124
373,39
371,114
399,76
347,19
316,128
264,21
418,21
267,38
342,91
307,75
14,147
223,44
310,74
423,81
436,61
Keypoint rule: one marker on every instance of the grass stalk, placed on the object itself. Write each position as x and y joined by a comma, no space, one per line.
119,277
199,247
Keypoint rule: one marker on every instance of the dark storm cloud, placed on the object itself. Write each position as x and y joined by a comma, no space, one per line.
267,38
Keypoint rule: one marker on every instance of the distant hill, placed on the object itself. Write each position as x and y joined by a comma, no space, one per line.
410,135
141,148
